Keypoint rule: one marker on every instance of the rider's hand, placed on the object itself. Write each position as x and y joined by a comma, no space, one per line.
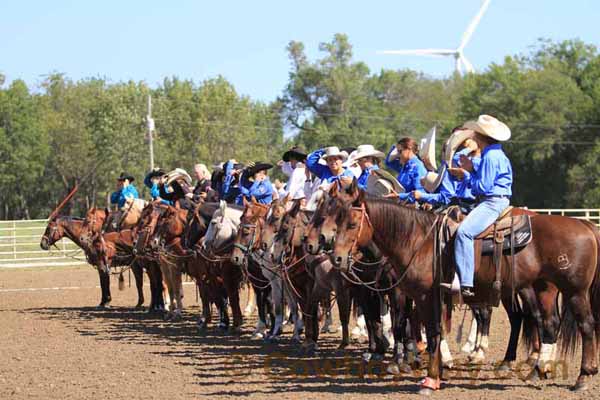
393,195
416,194
459,173
466,163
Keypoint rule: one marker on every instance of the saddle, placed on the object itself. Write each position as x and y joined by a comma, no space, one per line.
508,235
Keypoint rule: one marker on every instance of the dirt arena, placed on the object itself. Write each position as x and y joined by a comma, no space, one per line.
55,344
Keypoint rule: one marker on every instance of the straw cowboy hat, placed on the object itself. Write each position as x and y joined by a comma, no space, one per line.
334,151
489,126
427,148
433,180
178,174
454,142
381,183
366,150
296,153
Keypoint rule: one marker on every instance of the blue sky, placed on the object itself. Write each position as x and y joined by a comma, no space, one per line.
245,40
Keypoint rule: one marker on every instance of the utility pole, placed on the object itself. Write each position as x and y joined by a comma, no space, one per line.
150,125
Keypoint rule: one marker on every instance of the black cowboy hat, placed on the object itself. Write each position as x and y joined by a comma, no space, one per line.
156,172
348,149
125,175
258,166
295,153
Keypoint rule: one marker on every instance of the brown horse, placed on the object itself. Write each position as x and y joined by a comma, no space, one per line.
95,224
564,252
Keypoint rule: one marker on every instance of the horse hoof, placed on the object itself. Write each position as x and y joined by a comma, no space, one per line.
581,384
271,339
505,366
425,392
393,369
342,346
235,330
448,364
533,376
295,340
103,306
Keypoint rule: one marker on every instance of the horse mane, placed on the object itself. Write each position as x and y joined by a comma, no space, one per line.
397,221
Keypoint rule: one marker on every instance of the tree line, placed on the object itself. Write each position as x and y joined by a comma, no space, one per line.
64,132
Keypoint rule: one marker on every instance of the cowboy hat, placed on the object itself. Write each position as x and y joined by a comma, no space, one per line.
432,180
381,182
177,174
258,166
366,150
296,153
156,172
334,151
489,126
427,148
455,140
125,176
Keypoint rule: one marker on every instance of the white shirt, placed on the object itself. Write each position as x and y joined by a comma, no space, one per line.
296,183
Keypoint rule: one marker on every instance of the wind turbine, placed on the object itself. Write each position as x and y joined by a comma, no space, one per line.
461,65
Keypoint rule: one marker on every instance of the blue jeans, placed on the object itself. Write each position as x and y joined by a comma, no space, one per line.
474,224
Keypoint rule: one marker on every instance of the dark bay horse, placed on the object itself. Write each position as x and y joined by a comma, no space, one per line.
564,252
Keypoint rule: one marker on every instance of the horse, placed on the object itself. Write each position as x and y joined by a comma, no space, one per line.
96,223
217,247
564,252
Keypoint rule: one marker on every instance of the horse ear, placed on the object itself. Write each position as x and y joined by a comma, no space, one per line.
253,200
223,206
361,197
353,186
333,191
107,210
295,208
285,200
244,201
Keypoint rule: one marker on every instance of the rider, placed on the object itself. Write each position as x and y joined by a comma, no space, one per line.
151,181
334,169
292,164
368,158
203,184
125,190
176,187
491,184
448,190
255,183
228,185
404,159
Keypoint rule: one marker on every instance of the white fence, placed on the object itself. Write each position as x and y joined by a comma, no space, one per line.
20,241
20,246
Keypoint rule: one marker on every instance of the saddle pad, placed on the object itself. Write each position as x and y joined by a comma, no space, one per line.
523,236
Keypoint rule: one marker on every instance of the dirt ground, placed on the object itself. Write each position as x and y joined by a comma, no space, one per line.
54,344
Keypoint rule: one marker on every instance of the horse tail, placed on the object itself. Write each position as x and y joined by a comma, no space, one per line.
569,333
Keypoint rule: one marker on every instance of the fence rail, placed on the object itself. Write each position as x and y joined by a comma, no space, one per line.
20,241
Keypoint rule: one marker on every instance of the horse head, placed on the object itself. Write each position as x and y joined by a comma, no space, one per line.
248,236
53,233
273,222
222,229
290,233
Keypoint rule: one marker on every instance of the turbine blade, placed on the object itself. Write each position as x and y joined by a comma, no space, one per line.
420,52
471,28
468,66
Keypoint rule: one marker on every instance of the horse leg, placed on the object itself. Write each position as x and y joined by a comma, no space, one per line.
233,294
343,303
138,274
328,323
251,302
399,315
469,345
484,316
105,288
515,317
579,305
546,299
372,310
276,303
261,324
428,307
205,316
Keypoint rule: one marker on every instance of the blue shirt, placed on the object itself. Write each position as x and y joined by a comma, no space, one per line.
364,176
322,171
494,176
451,187
154,190
120,196
409,174
262,191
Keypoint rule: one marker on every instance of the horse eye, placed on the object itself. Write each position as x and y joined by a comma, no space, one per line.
246,231
352,226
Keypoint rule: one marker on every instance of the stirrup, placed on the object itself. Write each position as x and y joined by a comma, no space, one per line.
467,292
453,287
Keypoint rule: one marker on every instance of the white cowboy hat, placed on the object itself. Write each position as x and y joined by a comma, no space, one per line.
432,180
381,183
427,148
334,151
454,142
489,126
366,150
